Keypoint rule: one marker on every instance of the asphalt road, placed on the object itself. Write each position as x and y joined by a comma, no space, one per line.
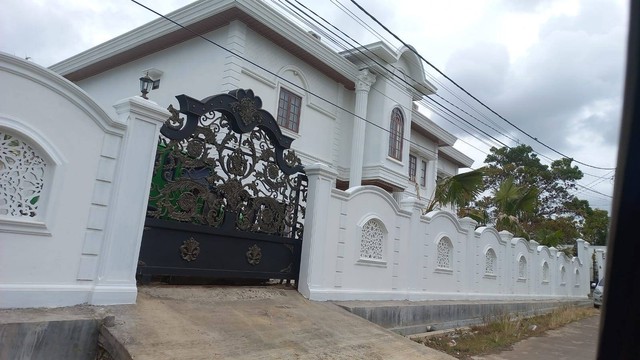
576,341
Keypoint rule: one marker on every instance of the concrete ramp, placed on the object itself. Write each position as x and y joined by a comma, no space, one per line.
180,322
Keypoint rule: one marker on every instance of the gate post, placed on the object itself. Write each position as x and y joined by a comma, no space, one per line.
321,181
115,281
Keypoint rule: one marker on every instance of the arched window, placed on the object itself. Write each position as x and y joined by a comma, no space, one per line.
444,258
490,262
396,134
545,272
22,177
563,275
522,268
577,277
371,242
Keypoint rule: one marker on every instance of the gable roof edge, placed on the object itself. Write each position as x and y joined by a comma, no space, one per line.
199,13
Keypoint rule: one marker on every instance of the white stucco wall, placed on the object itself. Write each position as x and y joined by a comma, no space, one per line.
62,255
410,267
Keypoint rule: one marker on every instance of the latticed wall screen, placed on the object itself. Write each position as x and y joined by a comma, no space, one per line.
445,254
22,177
372,239
522,268
490,262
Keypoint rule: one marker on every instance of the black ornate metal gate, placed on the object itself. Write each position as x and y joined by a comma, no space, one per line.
228,195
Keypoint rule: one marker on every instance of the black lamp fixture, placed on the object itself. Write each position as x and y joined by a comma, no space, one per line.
150,81
146,83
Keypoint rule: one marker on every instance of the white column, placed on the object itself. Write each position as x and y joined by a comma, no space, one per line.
321,180
413,260
432,177
470,269
116,283
363,85
585,259
508,279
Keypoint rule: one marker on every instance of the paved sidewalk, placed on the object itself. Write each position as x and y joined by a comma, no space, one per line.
576,341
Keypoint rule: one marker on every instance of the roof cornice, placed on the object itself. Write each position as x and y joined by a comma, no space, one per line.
417,82
202,17
456,156
424,126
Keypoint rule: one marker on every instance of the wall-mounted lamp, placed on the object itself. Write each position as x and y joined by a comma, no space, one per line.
146,83
149,81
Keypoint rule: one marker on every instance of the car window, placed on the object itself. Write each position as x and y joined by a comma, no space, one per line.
601,283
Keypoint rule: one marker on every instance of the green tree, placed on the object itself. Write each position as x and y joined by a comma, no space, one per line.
552,232
553,183
520,168
596,227
458,190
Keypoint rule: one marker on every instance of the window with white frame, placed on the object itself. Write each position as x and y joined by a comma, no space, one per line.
490,262
412,168
396,134
423,173
289,107
444,258
22,177
545,272
372,240
522,268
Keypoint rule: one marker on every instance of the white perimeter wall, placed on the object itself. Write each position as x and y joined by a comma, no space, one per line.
82,244
413,264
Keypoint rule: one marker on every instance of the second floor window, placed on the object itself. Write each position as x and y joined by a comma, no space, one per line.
289,110
396,133
412,168
423,174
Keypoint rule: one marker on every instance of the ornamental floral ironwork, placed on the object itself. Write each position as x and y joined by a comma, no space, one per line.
444,253
490,262
254,255
371,241
22,177
190,249
228,164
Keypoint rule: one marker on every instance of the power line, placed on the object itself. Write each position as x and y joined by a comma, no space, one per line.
471,95
297,12
278,76
305,90
348,46
381,65
362,23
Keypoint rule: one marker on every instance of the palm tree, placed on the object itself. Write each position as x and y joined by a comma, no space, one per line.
458,190
513,204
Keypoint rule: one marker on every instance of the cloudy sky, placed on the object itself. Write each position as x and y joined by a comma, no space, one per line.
555,68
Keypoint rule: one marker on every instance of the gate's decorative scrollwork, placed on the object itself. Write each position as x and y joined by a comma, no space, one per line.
254,255
190,249
227,164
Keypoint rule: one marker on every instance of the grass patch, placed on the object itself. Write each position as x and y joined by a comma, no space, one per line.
500,332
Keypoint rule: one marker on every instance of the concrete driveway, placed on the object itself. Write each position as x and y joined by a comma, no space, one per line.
250,323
